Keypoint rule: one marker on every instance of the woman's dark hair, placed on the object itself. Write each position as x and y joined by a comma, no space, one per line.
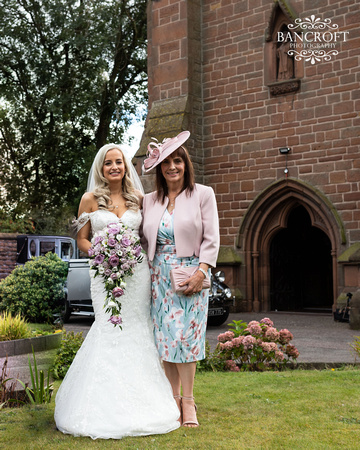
189,177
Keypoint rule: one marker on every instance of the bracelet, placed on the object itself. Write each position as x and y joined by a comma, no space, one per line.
202,271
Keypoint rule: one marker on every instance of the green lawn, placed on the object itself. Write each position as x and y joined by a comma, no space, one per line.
298,409
41,328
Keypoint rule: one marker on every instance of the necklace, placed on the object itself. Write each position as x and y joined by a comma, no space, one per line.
113,203
172,199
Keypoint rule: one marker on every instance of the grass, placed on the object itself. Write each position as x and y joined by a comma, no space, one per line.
300,409
40,329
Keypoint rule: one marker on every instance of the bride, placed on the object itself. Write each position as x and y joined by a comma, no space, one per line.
115,386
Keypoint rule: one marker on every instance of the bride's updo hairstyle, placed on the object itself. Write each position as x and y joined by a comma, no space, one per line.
99,186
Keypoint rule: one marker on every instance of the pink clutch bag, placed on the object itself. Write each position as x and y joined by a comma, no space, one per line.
181,274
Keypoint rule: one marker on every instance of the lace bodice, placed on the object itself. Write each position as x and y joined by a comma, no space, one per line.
102,217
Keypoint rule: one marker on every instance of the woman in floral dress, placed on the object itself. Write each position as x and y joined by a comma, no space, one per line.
180,229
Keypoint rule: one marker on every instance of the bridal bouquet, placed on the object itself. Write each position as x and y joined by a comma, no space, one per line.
114,254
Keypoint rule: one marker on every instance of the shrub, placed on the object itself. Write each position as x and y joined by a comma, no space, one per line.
213,362
35,290
255,346
13,327
65,355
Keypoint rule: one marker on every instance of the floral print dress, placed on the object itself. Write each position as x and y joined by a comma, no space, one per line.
179,321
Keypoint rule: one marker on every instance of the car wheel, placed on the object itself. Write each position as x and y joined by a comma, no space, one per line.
215,321
66,312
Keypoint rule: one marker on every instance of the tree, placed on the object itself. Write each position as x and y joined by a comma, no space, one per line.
71,75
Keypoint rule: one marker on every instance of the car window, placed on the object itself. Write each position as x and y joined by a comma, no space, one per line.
32,247
66,250
46,247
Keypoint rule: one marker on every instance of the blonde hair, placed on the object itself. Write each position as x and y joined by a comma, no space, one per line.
100,185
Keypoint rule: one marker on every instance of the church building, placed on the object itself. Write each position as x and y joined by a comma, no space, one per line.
270,92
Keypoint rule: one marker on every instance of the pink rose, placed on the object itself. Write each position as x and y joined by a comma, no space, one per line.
125,242
111,242
113,260
117,292
113,228
99,259
115,320
98,239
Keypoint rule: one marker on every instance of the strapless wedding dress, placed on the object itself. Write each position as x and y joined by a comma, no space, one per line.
116,386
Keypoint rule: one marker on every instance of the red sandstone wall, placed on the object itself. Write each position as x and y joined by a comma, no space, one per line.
167,36
244,126
8,247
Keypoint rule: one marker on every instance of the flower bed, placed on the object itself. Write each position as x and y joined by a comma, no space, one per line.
255,346
39,344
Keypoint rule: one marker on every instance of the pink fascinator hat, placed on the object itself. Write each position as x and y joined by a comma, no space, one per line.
157,152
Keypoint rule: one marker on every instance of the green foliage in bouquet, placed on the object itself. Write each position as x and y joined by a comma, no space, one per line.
35,290
69,346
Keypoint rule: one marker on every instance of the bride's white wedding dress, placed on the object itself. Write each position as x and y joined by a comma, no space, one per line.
116,386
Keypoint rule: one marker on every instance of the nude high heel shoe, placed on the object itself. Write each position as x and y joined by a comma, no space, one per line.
189,412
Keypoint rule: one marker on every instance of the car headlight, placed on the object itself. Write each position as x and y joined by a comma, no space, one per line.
220,276
228,293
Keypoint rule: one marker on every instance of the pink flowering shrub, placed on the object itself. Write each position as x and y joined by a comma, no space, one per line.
255,346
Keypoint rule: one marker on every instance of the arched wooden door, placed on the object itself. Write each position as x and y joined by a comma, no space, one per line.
290,226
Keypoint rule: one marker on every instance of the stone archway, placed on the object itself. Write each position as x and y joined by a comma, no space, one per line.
266,217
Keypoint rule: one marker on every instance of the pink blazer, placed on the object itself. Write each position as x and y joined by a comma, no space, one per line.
196,224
